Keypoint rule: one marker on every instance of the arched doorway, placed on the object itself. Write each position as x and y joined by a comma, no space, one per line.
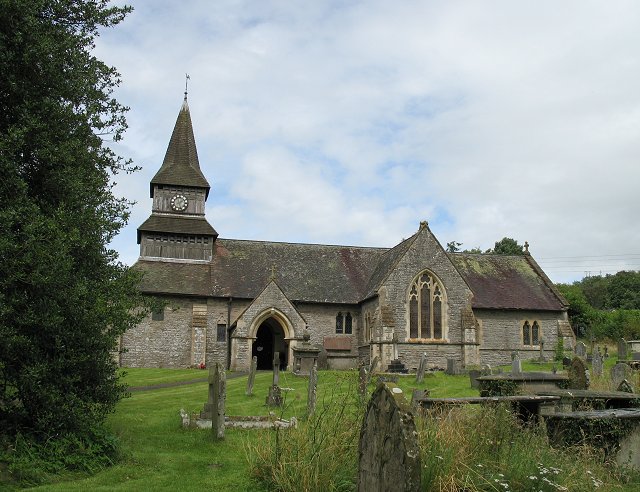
270,339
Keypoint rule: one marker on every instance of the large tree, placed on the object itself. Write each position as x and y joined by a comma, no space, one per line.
64,297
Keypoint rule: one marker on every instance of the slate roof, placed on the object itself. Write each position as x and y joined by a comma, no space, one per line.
344,274
181,166
179,278
507,282
304,272
173,224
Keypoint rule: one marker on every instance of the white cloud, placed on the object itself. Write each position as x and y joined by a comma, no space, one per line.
350,123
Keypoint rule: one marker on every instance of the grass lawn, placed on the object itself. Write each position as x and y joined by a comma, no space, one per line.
158,454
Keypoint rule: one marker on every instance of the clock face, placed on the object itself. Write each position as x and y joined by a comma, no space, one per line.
179,203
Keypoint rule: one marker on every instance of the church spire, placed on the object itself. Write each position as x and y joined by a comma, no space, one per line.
181,166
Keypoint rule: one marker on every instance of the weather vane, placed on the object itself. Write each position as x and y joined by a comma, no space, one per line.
186,84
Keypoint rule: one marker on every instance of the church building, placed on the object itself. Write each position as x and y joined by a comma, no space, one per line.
227,300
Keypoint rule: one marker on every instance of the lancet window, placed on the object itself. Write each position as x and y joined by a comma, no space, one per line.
530,333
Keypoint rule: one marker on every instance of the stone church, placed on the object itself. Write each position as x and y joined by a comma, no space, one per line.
226,300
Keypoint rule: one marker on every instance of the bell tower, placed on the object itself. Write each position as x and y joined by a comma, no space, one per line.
177,228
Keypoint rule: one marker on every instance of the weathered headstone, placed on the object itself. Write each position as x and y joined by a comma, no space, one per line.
579,377
274,398
516,364
541,357
363,380
625,386
453,367
313,389
252,375
421,368
474,374
622,349
597,365
389,456
374,365
486,370
581,349
218,394
619,373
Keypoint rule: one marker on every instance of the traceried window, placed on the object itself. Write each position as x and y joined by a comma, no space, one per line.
426,308
530,333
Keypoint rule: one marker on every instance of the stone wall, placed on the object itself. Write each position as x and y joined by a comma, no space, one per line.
425,253
500,334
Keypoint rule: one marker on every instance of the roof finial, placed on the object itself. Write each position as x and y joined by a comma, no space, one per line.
273,273
186,85
526,248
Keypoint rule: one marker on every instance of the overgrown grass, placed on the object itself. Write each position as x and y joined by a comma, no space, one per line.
321,453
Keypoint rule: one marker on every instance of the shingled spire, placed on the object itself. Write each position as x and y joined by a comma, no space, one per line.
181,166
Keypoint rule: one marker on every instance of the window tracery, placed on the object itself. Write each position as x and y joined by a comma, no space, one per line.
426,308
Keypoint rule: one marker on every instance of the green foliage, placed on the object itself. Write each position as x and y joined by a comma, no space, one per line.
507,246
559,350
453,247
619,291
64,297
499,388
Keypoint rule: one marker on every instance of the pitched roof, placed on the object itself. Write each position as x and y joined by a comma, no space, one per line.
173,224
181,166
507,282
305,272
343,274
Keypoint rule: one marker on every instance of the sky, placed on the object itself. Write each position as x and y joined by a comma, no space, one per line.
349,122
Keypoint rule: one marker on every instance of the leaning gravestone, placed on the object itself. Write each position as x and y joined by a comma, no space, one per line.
252,375
619,373
597,364
374,364
388,452
579,377
421,368
622,349
581,349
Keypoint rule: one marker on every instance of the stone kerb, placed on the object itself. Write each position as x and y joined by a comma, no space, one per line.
389,456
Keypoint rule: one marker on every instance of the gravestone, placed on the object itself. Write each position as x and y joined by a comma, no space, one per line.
363,380
541,356
625,386
252,375
579,377
453,367
619,373
313,389
597,364
581,349
217,395
421,368
486,370
374,365
274,398
474,374
516,364
388,452
622,349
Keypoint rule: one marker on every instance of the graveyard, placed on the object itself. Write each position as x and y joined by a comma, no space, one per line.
479,446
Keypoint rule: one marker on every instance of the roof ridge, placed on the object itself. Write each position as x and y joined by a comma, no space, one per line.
381,248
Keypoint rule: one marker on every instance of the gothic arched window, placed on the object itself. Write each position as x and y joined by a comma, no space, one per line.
426,308
339,323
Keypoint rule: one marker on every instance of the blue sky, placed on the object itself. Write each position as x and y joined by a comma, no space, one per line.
350,122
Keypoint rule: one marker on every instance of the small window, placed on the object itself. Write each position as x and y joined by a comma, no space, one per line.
221,332
339,323
530,333
157,314
348,324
